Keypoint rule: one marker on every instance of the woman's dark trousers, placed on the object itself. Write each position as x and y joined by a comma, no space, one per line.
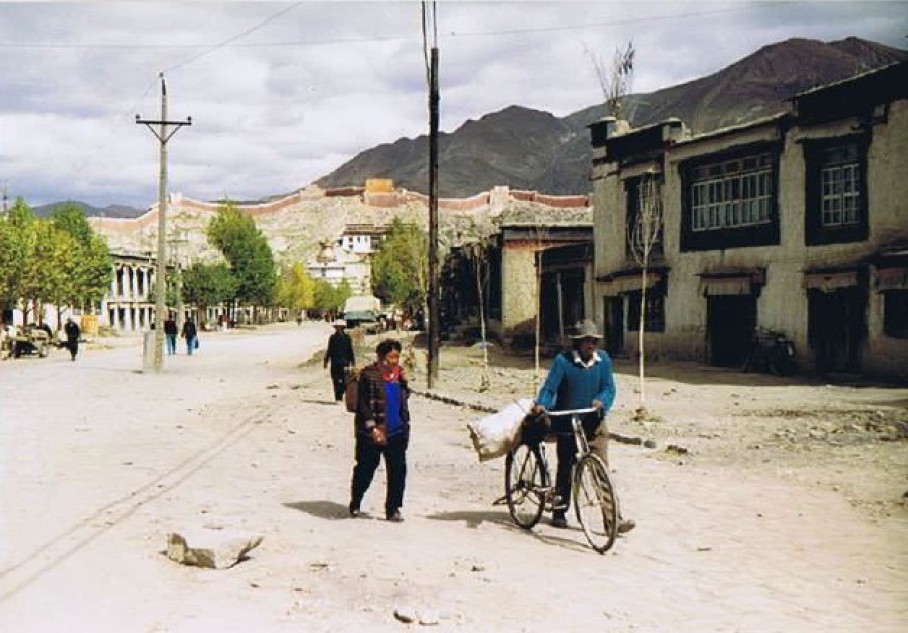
367,457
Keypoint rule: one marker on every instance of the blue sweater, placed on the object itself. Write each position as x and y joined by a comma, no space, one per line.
570,385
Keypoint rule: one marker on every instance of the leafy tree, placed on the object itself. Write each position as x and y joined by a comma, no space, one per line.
14,244
247,252
207,285
400,267
91,270
328,297
295,289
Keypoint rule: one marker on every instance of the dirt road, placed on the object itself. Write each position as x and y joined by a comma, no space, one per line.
98,462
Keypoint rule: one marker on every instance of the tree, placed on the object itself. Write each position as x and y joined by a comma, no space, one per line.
91,269
400,267
207,285
615,80
644,236
331,298
295,289
14,244
247,252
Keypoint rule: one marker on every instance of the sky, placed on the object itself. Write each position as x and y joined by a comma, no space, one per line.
282,93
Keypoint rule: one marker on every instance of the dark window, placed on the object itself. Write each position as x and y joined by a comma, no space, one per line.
730,200
895,313
643,196
836,202
655,312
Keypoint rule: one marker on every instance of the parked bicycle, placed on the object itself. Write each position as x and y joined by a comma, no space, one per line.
529,486
770,351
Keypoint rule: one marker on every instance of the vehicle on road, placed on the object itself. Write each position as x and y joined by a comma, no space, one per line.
363,311
529,486
33,342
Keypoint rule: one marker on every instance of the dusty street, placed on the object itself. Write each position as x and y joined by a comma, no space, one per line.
767,505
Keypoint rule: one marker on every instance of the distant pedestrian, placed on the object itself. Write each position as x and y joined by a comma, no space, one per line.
191,335
170,331
72,337
340,355
382,428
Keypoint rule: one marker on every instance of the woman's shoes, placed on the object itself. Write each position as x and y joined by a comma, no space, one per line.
395,517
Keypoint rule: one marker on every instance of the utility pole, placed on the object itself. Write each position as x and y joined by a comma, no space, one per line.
163,134
434,325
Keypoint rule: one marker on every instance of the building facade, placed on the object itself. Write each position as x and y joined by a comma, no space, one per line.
796,223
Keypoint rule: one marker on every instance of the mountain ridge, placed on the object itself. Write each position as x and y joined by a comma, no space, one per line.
533,149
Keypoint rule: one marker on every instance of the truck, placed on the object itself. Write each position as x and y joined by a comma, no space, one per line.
362,311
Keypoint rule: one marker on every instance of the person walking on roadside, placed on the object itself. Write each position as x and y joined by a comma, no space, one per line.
170,331
72,337
381,428
579,379
340,355
190,334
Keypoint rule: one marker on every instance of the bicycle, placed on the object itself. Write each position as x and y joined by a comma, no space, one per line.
529,490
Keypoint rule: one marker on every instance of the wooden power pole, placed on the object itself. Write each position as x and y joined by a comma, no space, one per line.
434,325
163,134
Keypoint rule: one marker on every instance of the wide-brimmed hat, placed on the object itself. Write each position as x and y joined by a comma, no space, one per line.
586,329
339,323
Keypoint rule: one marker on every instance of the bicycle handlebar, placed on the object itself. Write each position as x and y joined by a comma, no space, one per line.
572,411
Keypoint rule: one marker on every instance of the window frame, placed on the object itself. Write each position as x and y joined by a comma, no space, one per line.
895,318
655,318
816,161
738,234
632,210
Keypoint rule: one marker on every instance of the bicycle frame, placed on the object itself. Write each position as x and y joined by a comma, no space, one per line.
583,446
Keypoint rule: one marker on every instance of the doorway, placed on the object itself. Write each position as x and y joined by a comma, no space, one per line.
837,327
614,325
730,321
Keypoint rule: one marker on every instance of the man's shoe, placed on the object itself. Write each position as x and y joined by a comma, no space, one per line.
626,525
353,508
559,520
396,517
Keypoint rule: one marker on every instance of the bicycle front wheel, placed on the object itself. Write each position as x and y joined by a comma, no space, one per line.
525,481
595,502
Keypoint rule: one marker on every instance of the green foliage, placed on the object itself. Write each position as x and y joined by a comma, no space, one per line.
400,268
208,284
60,260
327,297
247,252
91,269
295,288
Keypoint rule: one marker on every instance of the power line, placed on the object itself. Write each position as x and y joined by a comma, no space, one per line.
365,40
229,40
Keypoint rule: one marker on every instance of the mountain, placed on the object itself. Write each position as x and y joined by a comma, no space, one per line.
110,211
530,149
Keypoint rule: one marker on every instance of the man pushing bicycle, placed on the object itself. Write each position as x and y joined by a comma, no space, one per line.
578,379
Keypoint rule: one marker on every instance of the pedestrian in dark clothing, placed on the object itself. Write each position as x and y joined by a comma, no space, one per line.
190,334
340,355
170,331
579,379
382,428
72,337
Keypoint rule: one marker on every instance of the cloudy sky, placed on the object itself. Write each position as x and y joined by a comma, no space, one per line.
281,94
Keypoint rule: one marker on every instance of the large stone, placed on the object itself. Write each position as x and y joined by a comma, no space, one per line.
218,549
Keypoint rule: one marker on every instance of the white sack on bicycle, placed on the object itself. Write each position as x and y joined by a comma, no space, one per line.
496,434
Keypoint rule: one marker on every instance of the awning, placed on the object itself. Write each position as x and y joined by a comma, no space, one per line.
731,283
831,281
619,285
722,286
892,279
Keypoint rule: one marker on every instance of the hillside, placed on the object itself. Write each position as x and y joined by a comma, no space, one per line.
110,211
535,150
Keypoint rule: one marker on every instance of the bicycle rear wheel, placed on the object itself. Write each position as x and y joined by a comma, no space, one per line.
595,503
524,485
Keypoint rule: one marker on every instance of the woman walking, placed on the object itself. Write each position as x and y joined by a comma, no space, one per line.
382,427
